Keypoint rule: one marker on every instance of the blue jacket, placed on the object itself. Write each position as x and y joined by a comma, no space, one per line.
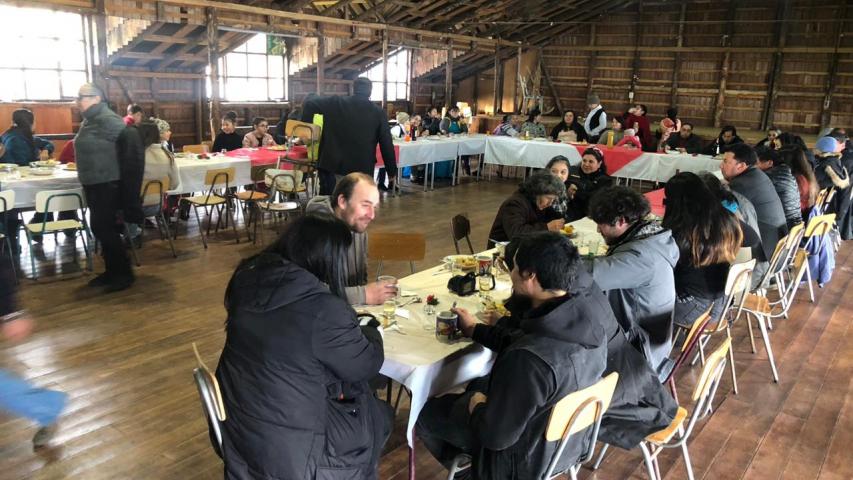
19,151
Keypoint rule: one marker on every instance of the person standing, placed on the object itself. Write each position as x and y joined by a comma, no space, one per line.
98,170
352,127
596,120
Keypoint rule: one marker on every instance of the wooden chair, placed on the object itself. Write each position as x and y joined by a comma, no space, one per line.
310,134
211,399
201,148
403,247
676,434
460,227
7,207
573,414
218,182
151,196
59,201
816,231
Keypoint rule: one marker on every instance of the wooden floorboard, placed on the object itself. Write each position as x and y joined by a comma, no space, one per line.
125,361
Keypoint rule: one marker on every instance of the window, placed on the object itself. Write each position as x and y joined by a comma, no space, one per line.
398,77
45,54
251,73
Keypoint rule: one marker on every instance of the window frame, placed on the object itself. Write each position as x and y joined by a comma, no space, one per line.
243,50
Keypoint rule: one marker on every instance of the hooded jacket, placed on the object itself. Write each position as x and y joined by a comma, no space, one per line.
640,405
294,374
516,216
356,268
789,194
95,146
753,184
558,352
637,275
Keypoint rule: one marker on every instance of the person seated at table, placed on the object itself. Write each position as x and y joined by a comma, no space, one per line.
533,127
559,167
669,125
709,236
686,141
772,140
300,386
569,129
640,404
21,144
725,140
453,122
506,128
801,169
783,181
630,140
432,122
165,133
616,128
355,200
135,115
590,177
528,209
259,136
637,272
228,139
636,118
500,420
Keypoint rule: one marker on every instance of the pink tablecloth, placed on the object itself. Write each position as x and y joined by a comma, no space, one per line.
264,156
655,198
616,157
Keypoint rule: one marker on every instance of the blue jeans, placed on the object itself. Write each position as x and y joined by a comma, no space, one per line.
20,398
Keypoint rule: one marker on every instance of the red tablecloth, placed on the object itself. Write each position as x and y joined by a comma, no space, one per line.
381,163
655,198
616,157
265,156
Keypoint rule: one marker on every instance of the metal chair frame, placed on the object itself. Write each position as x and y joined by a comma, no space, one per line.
43,205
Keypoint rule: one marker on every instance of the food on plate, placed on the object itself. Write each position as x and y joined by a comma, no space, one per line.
71,166
465,262
277,148
569,230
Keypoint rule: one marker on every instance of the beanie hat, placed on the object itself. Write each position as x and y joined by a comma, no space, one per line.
593,99
826,145
162,125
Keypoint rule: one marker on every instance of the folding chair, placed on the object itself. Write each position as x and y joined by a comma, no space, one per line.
404,247
310,134
283,184
59,201
248,198
687,347
703,395
211,399
152,195
816,230
460,227
573,414
7,206
218,182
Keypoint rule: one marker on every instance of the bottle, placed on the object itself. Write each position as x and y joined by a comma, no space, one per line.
414,133
610,139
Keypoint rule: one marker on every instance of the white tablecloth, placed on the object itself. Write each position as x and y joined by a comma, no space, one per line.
424,151
192,174
527,153
660,167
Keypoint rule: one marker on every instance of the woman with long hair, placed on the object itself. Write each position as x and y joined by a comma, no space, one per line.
584,181
228,139
259,137
794,156
708,236
533,127
21,144
559,167
296,363
569,129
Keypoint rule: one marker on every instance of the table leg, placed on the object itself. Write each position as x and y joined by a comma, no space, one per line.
412,456
426,176
432,185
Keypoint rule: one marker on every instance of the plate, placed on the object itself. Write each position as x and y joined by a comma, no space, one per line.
41,172
45,163
277,148
9,166
465,262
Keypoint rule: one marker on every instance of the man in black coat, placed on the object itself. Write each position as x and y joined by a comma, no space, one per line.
352,127
559,350
784,182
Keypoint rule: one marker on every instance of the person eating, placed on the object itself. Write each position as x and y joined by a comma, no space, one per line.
528,209
259,137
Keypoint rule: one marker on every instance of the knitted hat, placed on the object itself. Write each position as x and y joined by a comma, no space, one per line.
826,145
162,125
89,90
402,117
593,99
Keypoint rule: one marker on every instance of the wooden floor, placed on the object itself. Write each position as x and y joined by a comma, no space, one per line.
126,361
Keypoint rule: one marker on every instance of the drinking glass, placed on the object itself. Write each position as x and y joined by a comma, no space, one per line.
389,279
389,311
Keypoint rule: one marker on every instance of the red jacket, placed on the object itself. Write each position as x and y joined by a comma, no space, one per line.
644,131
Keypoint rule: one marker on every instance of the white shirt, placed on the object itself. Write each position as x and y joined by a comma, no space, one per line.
602,123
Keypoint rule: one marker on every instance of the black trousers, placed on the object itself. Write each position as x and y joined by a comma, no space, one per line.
327,181
104,200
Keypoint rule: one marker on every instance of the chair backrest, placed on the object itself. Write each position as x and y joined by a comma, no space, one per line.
709,377
153,191
285,181
60,200
689,344
219,177
211,399
820,225
408,247
201,148
737,288
218,404
460,227
823,198
576,412
7,200
296,127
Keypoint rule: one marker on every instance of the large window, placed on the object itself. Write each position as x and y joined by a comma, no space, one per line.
251,73
398,77
44,54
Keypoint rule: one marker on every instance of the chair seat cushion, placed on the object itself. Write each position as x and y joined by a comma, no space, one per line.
250,195
56,226
205,200
279,207
663,436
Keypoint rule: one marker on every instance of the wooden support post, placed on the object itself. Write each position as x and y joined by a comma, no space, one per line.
385,71
413,82
593,60
321,62
831,81
495,105
476,94
518,95
676,66
725,63
776,69
213,65
635,65
551,86
448,77
100,74
199,110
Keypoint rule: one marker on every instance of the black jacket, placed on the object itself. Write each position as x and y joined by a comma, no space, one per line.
587,185
352,127
758,189
711,148
228,141
640,405
786,187
518,215
294,374
560,350
563,127
131,162
691,144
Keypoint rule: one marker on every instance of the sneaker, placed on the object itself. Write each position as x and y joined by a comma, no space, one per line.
119,284
44,435
101,280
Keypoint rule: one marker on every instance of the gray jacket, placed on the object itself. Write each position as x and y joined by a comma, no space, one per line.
637,275
95,145
758,189
356,268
